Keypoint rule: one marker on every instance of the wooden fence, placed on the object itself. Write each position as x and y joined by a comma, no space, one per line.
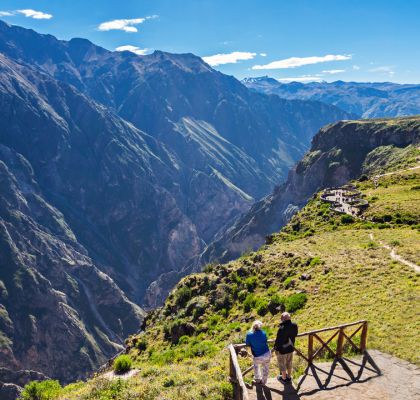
340,339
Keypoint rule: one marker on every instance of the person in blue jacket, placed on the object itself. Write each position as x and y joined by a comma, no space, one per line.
256,338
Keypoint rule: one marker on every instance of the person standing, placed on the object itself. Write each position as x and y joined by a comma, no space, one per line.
284,347
256,338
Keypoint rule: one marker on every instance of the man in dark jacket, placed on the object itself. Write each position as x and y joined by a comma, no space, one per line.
284,347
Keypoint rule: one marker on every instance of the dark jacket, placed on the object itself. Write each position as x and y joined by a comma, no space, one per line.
286,336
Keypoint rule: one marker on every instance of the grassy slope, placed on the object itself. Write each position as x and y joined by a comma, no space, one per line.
352,277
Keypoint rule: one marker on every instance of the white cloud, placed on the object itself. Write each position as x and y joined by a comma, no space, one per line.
230,58
34,14
294,62
334,71
356,67
263,54
126,25
305,78
133,49
385,69
6,14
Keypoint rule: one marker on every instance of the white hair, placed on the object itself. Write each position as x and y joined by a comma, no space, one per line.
256,325
285,316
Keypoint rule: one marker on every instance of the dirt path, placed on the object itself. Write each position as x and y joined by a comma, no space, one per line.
397,172
400,380
393,254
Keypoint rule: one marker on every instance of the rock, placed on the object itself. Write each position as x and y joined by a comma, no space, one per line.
291,284
305,277
258,258
9,391
179,329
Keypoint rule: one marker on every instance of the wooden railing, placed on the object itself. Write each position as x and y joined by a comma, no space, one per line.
317,347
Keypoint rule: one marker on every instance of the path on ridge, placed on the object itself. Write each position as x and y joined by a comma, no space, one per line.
393,254
400,380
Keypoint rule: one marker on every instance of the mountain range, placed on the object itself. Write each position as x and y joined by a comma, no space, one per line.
117,169
366,100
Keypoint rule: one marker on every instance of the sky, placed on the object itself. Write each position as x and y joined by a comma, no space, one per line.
299,40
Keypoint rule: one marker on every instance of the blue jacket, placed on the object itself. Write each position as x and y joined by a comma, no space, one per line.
258,342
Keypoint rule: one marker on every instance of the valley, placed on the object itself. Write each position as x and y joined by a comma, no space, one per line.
324,268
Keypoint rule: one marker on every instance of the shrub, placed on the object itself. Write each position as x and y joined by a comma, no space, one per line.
251,283
261,307
168,382
141,344
223,301
347,219
122,364
242,295
182,296
384,226
105,389
208,268
289,282
44,390
226,390
363,178
315,261
249,302
387,218
296,301
276,304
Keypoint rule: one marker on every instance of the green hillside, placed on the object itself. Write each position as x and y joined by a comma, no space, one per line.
326,268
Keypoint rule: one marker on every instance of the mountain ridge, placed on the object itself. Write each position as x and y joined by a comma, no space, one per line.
365,99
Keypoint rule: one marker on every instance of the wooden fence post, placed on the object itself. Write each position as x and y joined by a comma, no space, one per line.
363,339
340,343
232,376
310,348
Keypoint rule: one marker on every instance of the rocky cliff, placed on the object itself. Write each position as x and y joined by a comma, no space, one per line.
339,152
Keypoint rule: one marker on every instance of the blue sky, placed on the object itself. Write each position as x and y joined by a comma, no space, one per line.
358,40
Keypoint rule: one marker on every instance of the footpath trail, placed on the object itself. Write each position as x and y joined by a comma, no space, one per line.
397,172
400,380
393,254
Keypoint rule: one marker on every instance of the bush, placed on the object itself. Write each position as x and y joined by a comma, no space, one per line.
168,382
141,344
226,390
251,283
261,307
387,218
384,226
242,295
347,219
276,304
315,261
182,296
296,301
105,389
44,390
249,302
122,364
